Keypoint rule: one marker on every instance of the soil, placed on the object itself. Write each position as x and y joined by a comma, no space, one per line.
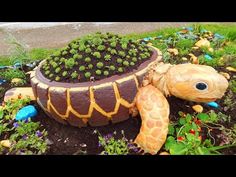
68,140
94,77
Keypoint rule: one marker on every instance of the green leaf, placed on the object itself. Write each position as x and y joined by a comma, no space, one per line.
188,118
203,116
1,113
171,130
182,121
190,137
178,149
169,142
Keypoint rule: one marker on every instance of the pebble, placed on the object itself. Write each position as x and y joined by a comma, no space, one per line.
208,57
164,153
210,49
49,142
213,104
2,81
5,143
226,75
184,58
198,108
16,80
194,59
203,43
231,69
83,145
173,51
26,113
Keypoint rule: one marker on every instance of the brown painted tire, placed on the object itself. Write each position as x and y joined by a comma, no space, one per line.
94,103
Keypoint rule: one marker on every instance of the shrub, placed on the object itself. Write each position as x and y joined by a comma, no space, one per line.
10,74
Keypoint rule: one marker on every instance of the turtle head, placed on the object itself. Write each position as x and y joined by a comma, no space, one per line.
197,83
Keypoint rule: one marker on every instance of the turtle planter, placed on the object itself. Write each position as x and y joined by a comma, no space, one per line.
90,103
128,78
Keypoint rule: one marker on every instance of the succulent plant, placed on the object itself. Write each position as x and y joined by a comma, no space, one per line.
112,68
100,65
47,72
82,68
88,50
74,75
132,63
98,72
57,78
101,47
125,63
64,53
105,73
57,70
134,59
90,66
121,53
73,51
87,74
97,54
87,59
113,52
120,69
51,75
113,44
64,74
107,57
69,63
119,60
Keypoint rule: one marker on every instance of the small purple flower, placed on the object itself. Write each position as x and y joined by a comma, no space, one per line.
16,125
38,133
24,137
26,121
99,145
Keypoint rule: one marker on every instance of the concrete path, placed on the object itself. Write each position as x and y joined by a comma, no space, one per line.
51,35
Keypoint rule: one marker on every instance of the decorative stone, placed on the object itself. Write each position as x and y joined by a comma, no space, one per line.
2,81
16,80
14,93
198,108
226,75
213,104
203,43
195,48
207,57
173,51
231,69
26,113
6,143
194,59
184,59
164,153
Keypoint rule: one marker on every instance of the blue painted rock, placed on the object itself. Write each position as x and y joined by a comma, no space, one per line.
218,36
2,81
26,112
213,104
208,57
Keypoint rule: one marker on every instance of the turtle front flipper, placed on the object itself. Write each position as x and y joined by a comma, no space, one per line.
154,111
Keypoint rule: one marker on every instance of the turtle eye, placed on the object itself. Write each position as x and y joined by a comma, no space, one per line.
201,86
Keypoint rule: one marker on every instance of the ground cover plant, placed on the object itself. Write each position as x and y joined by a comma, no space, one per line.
208,131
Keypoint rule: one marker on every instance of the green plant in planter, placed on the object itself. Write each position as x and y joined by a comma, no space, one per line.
120,69
112,68
121,53
107,57
87,59
97,54
57,78
98,72
65,73
47,72
124,46
87,74
134,59
82,68
69,63
101,47
73,51
64,53
74,75
113,52
132,63
82,48
100,65
106,73
126,63
90,66
51,75
57,70
88,50
119,60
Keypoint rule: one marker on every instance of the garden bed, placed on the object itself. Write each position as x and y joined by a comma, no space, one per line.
217,124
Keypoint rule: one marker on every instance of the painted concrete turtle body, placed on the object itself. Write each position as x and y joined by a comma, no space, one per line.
143,91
